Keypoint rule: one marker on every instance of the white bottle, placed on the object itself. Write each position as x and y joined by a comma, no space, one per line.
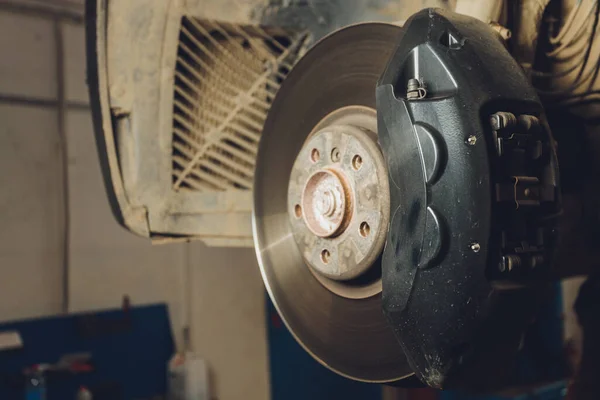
188,378
84,394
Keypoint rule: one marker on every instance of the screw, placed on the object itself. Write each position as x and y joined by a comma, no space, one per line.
476,247
472,140
504,33
509,262
415,90
413,84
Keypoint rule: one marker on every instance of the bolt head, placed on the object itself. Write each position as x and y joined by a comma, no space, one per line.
323,203
476,247
472,140
413,84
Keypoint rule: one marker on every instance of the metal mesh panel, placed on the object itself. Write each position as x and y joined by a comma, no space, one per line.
225,79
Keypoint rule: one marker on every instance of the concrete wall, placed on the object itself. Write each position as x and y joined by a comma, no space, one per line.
47,162
31,195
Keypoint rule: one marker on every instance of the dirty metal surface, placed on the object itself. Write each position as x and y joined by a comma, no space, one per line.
348,335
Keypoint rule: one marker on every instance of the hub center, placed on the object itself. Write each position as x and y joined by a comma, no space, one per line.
326,203
338,199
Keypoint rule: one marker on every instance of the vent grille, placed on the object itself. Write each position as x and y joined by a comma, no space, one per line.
226,77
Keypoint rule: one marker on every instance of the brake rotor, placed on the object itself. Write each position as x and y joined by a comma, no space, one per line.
321,205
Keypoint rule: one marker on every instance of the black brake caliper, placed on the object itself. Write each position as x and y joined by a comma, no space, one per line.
474,199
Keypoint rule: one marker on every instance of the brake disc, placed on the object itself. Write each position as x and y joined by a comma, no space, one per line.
466,202
321,205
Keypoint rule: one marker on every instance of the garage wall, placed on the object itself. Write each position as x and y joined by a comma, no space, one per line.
31,199
49,174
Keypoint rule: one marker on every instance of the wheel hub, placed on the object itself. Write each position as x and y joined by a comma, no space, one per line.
339,198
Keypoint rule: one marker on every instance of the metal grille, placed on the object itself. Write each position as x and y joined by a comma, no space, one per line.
226,77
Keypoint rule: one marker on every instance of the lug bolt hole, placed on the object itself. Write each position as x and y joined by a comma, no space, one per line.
357,162
298,210
325,256
335,154
364,229
315,155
